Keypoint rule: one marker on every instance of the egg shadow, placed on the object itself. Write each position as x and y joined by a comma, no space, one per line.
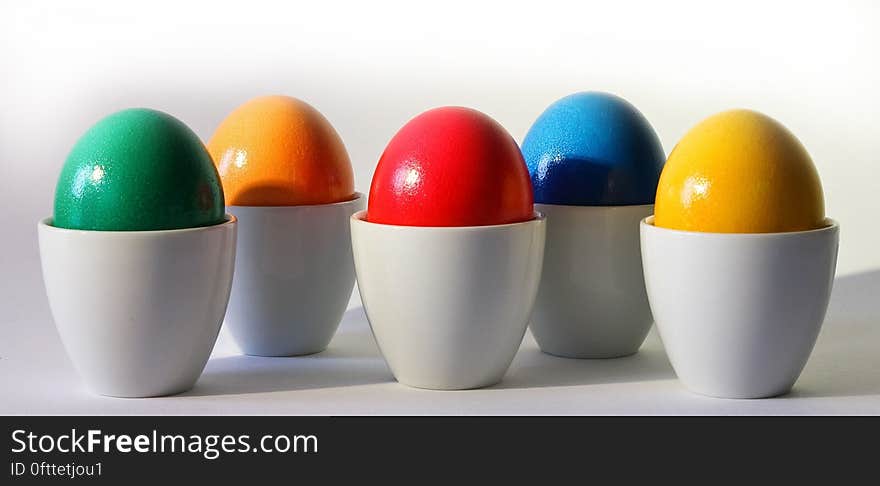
351,359
262,192
846,359
532,368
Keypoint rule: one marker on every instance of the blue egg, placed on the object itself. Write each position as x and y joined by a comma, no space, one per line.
593,149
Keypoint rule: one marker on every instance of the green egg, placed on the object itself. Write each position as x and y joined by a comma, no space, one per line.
138,170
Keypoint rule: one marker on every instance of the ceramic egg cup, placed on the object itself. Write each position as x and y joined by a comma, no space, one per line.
738,313
592,301
448,306
293,278
138,311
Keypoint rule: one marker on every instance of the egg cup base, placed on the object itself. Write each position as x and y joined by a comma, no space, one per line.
735,396
590,354
138,312
287,353
293,278
164,393
448,306
441,387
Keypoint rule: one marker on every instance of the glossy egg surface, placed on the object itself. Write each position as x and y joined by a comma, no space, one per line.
593,149
451,166
739,171
138,170
280,151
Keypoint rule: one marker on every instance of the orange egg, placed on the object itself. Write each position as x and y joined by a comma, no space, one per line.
280,151
739,171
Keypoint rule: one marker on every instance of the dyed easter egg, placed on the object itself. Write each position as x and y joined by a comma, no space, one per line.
280,151
593,149
739,172
138,170
451,166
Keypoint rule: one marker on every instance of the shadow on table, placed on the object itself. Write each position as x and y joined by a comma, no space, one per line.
352,359
535,369
846,360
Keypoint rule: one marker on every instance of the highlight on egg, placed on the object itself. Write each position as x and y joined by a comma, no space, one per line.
281,151
451,166
138,170
739,171
593,149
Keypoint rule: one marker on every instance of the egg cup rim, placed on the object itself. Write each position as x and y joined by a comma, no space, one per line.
360,218
228,220
597,206
357,196
831,225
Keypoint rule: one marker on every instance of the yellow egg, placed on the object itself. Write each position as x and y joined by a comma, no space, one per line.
739,171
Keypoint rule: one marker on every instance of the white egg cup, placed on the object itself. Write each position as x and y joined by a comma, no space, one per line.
138,311
448,306
293,278
739,313
592,301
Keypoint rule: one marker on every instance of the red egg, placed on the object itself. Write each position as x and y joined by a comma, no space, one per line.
451,166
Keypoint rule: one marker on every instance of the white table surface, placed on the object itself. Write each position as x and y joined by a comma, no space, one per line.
842,376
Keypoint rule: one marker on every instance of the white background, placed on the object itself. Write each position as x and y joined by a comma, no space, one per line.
370,66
